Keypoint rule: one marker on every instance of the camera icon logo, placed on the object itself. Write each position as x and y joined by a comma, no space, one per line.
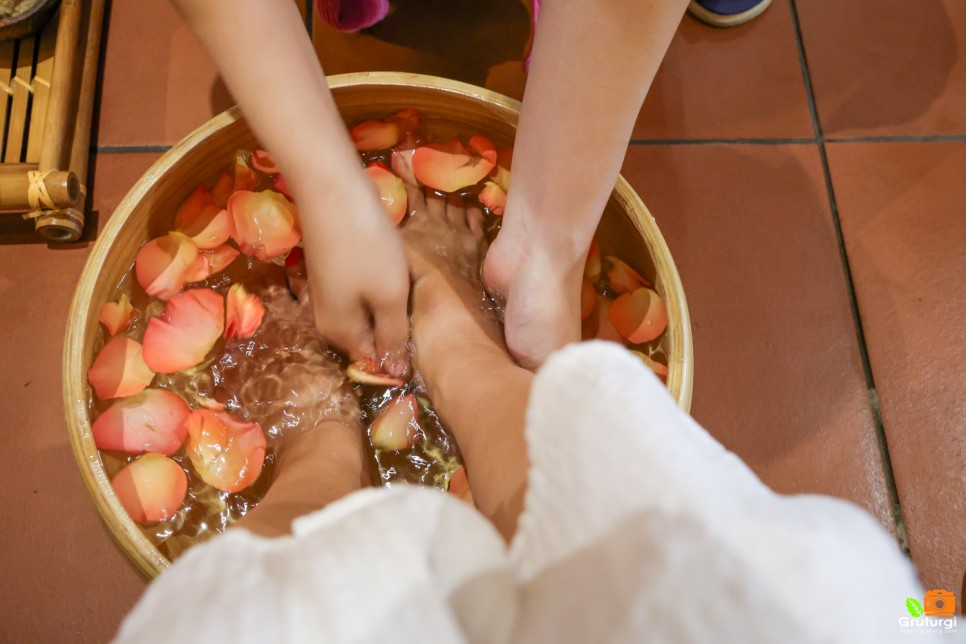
939,603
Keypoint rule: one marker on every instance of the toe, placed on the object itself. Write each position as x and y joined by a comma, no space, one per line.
474,219
456,211
415,198
435,206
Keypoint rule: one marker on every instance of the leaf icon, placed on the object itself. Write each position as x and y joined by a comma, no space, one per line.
914,607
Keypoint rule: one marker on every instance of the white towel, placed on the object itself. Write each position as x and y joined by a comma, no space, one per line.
637,526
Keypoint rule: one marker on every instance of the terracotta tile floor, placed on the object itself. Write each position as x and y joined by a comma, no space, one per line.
813,205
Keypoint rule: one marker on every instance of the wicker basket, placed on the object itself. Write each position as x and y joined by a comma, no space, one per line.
147,210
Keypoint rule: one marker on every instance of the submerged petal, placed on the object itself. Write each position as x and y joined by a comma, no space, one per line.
119,369
493,197
367,372
151,421
243,313
162,265
391,190
116,316
397,425
374,135
227,452
186,331
623,278
152,488
263,162
640,316
265,223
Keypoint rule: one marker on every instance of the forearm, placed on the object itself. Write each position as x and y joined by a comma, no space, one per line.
267,61
592,65
313,470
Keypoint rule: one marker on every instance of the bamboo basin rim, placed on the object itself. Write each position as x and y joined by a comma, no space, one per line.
173,166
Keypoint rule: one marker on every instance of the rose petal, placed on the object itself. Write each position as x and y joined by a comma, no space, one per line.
116,316
397,425
227,452
405,120
119,369
391,190
588,299
245,177
459,485
660,370
374,135
212,227
622,277
367,372
222,189
162,265
493,197
640,316
152,488
598,326
243,313
186,331
263,162
151,421
191,207
266,223
209,262
450,166
592,266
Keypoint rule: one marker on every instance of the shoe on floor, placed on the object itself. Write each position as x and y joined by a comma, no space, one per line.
727,13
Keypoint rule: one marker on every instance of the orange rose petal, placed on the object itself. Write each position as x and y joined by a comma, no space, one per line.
210,262
367,372
191,207
598,326
212,227
374,135
152,488
243,313
660,370
623,278
397,425
116,316
119,369
592,266
227,452
493,197
450,166
151,421
186,331
224,186
501,172
391,190
459,485
162,265
640,316
263,162
265,223
406,120
588,299
245,177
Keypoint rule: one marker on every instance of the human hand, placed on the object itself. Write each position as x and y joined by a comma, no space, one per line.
357,271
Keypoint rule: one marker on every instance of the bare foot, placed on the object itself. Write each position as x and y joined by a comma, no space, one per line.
542,311
453,328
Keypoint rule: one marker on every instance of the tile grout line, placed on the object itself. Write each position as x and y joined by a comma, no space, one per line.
900,526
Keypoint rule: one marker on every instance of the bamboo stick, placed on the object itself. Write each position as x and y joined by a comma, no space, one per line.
54,150
19,107
62,187
80,151
41,86
6,70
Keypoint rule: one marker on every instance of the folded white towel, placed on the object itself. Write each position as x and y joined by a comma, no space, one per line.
638,526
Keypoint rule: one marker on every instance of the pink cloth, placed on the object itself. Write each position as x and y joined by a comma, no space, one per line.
352,15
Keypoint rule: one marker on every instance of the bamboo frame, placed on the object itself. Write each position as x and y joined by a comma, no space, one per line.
52,79
628,228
